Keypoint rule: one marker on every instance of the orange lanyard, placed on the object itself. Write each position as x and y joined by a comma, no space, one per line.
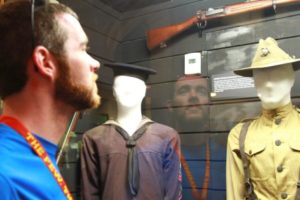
197,195
39,150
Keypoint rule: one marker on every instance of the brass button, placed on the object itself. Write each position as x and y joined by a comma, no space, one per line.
280,168
278,142
284,195
277,121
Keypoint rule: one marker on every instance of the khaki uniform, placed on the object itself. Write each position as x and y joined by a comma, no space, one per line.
272,146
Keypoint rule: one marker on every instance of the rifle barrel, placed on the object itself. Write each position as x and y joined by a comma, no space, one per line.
158,36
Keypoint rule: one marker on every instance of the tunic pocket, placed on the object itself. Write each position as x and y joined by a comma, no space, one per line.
295,145
254,148
259,158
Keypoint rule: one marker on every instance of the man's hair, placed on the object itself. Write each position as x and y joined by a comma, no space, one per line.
16,39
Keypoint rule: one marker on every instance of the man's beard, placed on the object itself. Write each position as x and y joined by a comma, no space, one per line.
78,96
187,122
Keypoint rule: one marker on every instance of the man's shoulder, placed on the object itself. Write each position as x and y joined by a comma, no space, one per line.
98,131
5,129
9,140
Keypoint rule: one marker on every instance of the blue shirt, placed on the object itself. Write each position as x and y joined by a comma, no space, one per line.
23,175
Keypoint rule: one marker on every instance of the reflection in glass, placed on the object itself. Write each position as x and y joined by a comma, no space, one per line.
188,104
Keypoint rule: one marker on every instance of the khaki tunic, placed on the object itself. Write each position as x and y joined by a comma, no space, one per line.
273,147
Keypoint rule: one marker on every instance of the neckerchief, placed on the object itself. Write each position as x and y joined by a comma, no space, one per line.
133,167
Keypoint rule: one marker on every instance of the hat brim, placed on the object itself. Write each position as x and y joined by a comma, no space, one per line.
130,68
248,70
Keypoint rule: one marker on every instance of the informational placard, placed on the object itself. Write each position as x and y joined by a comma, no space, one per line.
231,86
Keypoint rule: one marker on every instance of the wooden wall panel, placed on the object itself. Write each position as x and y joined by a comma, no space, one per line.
223,117
176,12
101,46
96,18
103,7
216,178
213,194
224,60
190,41
105,74
277,28
101,28
225,44
191,92
88,119
183,44
194,145
204,155
173,118
170,68
155,8
228,59
296,87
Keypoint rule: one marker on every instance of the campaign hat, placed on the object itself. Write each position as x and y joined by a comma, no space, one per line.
268,54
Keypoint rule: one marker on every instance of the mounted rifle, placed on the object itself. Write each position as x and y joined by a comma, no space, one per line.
159,36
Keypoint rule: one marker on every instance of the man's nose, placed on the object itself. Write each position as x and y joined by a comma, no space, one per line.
193,93
193,97
95,65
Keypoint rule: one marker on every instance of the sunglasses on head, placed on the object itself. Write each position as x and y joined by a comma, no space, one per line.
35,4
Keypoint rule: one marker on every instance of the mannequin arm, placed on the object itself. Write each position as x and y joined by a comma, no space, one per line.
89,171
172,170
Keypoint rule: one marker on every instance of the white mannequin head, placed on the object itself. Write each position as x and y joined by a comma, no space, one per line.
128,91
273,85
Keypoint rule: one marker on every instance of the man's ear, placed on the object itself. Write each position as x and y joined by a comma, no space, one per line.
44,62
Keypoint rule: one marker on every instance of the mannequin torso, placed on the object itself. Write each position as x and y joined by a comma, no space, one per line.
134,154
276,129
264,152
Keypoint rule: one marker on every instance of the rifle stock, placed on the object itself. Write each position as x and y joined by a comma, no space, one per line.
158,36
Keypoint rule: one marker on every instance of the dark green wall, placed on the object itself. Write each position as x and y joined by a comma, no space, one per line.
226,44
